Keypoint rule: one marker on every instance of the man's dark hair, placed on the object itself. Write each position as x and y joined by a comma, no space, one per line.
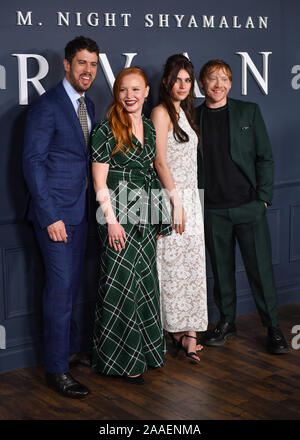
80,43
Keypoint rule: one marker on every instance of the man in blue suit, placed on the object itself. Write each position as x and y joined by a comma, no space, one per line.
56,168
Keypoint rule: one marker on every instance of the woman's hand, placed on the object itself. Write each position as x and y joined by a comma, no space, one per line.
179,219
116,236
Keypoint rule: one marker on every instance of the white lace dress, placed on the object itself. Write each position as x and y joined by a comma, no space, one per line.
181,258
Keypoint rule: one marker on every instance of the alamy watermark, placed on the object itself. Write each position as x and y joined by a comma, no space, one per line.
296,339
2,338
134,206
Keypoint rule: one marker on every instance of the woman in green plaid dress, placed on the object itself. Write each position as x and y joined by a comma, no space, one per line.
128,336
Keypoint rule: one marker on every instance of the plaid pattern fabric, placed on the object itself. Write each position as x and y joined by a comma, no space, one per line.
147,202
128,336
83,119
133,173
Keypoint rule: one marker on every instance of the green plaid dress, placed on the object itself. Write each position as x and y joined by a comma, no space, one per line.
128,336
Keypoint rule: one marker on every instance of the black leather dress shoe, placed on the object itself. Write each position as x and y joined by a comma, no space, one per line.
66,385
219,335
276,342
80,358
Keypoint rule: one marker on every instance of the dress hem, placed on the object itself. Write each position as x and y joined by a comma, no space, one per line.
185,330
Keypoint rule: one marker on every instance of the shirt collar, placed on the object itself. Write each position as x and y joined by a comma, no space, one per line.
71,92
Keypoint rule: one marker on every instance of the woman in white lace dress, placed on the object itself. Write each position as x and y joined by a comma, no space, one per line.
181,256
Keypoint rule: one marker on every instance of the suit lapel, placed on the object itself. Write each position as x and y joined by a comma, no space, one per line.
234,126
69,111
90,109
199,121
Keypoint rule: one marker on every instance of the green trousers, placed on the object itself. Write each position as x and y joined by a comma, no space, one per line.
248,225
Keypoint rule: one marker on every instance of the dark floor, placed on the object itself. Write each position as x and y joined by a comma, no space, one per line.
237,381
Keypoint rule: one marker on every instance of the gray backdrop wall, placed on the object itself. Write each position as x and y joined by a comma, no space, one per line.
259,39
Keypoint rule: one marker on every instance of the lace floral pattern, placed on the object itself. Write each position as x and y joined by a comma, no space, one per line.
181,258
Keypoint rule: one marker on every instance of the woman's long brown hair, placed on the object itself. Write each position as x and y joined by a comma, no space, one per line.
118,118
173,65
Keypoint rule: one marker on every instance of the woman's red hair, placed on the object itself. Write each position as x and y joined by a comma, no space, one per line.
118,118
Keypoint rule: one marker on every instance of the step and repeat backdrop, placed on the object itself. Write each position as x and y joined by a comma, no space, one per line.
261,42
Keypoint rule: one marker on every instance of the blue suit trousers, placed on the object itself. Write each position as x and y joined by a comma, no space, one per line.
63,267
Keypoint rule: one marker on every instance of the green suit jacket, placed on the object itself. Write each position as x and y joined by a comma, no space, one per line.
249,146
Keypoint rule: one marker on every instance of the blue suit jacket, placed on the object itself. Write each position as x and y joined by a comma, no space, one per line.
56,162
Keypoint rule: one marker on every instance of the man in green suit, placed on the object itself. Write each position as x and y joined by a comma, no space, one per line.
238,179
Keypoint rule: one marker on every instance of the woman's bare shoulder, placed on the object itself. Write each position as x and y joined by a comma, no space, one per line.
160,111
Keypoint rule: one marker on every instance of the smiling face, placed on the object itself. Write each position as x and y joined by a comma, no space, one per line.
82,70
133,92
182,86
216,85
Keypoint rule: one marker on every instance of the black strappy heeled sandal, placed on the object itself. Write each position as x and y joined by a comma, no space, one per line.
189,354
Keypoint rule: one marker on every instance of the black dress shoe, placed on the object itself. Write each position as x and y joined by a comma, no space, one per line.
66,385
276,342
80,358
219,335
